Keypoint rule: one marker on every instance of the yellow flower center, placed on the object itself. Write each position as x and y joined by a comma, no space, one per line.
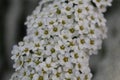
65,59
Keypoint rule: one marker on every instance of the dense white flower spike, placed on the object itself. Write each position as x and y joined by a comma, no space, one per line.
61,36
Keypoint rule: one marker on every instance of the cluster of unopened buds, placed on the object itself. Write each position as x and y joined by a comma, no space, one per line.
61,36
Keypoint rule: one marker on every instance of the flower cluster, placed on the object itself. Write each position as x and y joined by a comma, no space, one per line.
61,36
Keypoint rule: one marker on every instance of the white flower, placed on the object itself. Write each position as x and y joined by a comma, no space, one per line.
51,22
95,44
45,33
80,12
48,65
65,20
71,31
83,42
57,74
79,76
82,27
26,48
30,21
16,53
61,47
38,53
18,63
76,56
88,8
102,4
50,50
93,17
93,32
87,76
68,8
65,36
64,60
55,30
38,44
69,71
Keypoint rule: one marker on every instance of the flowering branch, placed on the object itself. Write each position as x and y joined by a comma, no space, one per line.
60,38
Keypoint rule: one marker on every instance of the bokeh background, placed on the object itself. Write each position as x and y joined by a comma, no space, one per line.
13,13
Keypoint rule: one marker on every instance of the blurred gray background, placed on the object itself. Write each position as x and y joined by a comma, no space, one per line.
13,13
